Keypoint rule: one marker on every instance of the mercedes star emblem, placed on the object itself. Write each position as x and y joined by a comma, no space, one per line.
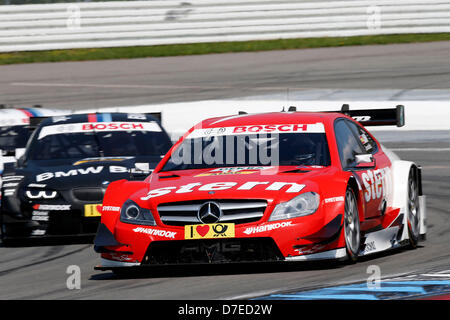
209,212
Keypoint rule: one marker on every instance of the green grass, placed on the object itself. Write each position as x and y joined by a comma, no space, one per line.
206,48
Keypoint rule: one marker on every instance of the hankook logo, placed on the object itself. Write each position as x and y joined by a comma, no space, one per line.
209,212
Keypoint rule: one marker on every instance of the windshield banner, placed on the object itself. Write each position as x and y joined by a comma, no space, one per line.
255,129
98,127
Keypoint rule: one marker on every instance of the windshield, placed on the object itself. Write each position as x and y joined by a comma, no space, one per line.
13,137
80,145
285,149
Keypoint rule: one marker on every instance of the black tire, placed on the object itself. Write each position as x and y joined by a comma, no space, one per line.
352,232
11,242
413,209
2,234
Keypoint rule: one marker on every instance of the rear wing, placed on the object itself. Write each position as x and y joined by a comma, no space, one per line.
368,117
377,117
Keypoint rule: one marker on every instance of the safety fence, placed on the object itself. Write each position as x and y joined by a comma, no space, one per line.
145,23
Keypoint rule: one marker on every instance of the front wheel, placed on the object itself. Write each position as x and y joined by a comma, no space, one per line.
351,225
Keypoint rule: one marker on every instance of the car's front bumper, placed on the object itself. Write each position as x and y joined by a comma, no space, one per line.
305,238
29,222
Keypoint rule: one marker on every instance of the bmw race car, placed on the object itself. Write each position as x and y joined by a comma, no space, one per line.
284,186
57,186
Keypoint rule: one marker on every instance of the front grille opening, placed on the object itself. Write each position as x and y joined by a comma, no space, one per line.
234,211
88,194
212,251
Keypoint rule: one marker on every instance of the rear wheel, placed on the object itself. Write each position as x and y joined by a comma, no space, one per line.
413,209
351,225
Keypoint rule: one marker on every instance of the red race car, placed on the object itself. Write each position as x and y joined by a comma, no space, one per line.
283,186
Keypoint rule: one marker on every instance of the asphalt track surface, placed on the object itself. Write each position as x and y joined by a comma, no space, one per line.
399,69
38,270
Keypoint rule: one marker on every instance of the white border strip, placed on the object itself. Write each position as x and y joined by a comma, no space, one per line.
331,254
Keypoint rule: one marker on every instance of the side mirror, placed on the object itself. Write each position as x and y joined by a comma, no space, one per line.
365,161
21,161
19,153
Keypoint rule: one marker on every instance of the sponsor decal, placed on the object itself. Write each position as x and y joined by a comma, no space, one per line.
79,171
39,216
39,213
52,207
362,118
12,178
123,126
291,187
375,183
310,249
37,185
9,192
363,139
38,232
10,185
255,129
369,247
232,170
156,232
120,257
88,160
137,116
267,227
110,208
209,231
56,119
98,126
92,210
334,199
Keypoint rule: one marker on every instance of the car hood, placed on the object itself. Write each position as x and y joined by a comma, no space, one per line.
82,173
269,183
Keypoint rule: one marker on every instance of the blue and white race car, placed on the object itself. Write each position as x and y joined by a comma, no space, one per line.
15,131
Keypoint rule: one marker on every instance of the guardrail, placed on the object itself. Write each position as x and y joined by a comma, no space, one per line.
144,23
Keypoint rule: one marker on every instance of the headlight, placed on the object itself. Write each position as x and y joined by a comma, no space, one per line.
302,205
132,213
40,194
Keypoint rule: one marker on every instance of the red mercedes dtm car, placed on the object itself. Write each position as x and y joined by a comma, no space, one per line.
284,186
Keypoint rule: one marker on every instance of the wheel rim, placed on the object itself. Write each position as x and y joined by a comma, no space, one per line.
351,223
413,207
